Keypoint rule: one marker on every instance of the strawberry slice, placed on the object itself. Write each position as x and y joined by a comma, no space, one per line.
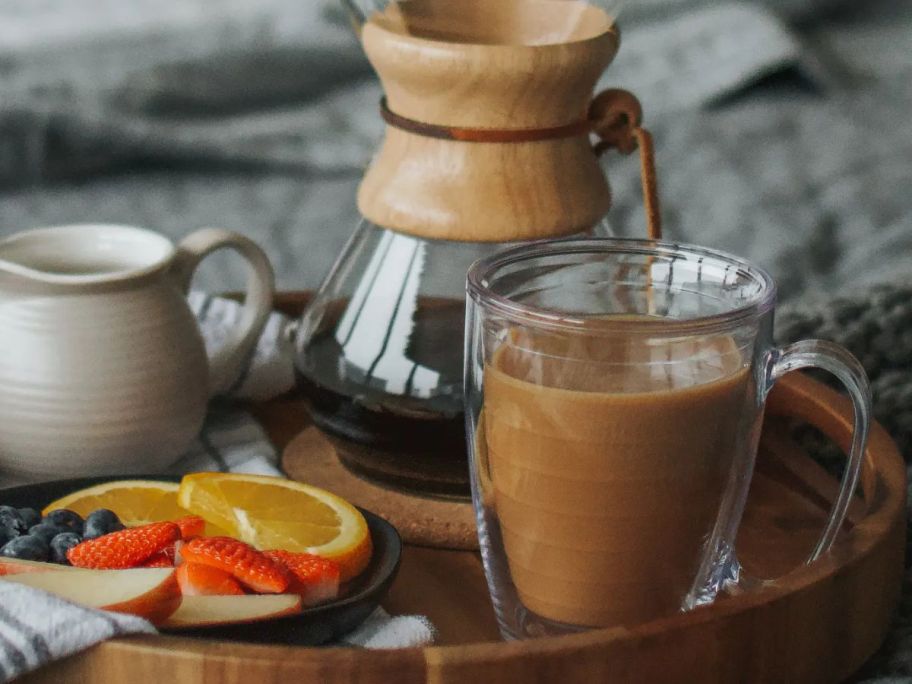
127,548
250,567
316,579
159,560
196,579
162,559
191,526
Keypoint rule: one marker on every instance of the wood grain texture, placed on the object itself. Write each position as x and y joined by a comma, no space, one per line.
466,614
515,64
512,64
818,624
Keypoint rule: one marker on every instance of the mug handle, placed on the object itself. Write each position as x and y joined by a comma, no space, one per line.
847,369
723,571
226,364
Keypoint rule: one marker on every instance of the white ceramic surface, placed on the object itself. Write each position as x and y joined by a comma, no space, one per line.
102,366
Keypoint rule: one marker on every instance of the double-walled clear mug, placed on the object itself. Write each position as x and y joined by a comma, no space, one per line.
614,398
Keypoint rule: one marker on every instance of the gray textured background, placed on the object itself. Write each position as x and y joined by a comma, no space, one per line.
783,129
783,132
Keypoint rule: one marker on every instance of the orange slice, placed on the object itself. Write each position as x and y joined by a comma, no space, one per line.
136,502
276,513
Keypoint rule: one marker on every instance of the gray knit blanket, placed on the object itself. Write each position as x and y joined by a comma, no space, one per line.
782,127
783,134
876,326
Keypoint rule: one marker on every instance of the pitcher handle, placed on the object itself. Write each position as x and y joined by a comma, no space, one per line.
227,363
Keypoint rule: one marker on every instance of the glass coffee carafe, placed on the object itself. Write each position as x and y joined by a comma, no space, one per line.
487,144
381,358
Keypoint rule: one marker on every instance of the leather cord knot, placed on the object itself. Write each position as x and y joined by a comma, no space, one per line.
616,117
613,116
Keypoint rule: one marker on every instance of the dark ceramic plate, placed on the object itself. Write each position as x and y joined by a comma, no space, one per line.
358,598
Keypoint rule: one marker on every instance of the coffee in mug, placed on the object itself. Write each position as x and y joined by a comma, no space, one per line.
614,397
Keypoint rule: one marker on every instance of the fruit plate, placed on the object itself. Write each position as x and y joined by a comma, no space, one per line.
316,625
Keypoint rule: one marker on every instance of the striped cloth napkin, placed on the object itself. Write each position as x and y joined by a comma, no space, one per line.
37,628
231,440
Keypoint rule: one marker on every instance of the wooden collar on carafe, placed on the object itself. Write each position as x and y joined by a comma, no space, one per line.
615,117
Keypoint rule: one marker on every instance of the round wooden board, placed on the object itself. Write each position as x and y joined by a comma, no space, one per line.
817,624
420,520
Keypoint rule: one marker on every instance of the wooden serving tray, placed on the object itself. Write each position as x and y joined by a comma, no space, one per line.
819,623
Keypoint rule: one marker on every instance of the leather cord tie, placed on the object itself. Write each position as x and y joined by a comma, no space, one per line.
481,135
614,117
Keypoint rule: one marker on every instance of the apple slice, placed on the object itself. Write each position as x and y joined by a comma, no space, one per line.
210,611
151,593
13,566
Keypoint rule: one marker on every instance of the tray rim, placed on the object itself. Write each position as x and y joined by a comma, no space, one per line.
882,463
881,531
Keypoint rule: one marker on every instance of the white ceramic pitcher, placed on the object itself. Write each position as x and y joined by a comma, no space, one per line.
102,367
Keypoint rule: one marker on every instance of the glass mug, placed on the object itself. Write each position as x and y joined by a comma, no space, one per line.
614,399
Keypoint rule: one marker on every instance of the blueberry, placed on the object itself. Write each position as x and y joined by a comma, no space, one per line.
10,531
65,518
29,516
27,547
62,543
100,522
12,520
47,531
